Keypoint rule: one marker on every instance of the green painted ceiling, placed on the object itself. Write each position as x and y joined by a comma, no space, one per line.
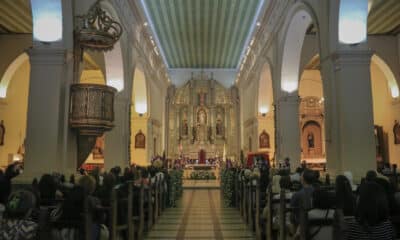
202,33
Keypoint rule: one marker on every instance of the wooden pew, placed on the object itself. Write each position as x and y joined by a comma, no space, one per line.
241,197
257,210
250,203
245,201
237,190
121,200
282,215
268,218
149,207
156,191
138,211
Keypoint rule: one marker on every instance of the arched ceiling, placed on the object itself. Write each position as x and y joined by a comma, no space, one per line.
202,33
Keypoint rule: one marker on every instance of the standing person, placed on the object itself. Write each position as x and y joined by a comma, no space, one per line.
302,199
345,202
371,219
17,223
11,172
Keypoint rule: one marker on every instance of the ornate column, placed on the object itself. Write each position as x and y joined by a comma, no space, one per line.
116,150
287,129
350,141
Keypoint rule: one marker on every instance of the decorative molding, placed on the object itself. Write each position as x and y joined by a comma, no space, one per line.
249,122
47,56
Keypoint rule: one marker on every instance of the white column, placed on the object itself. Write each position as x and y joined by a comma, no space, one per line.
287,128
350,141
116,150
50,144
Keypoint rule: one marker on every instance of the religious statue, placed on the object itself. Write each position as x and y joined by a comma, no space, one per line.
396,132
218,128
2,132
185,128
201,117
310,139
194,134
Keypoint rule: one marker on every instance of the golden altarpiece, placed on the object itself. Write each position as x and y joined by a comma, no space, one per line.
203,116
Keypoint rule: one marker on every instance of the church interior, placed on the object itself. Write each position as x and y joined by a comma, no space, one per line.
199,119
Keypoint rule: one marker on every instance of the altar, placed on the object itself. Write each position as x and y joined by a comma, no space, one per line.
201,171
202,120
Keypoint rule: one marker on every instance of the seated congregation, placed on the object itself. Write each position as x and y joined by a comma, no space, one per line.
90,206
277,204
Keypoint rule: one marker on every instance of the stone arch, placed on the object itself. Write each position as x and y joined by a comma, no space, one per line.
14,89
385,95
390,77
10,71
298,20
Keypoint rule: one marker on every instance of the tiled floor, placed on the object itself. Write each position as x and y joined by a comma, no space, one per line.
200,214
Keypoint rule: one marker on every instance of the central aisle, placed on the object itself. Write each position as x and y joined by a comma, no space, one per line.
200,215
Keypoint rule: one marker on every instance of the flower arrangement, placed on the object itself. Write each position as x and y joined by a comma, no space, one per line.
247,173
158,164
202,175
228,186
256,173
174,186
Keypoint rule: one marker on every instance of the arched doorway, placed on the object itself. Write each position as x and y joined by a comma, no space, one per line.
311,140
385,94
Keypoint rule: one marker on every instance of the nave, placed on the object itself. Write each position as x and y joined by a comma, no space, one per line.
200,214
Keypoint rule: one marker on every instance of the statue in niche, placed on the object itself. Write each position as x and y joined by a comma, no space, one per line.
2,132
194,134
219,128
201,117
310,140
201,132
185,128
